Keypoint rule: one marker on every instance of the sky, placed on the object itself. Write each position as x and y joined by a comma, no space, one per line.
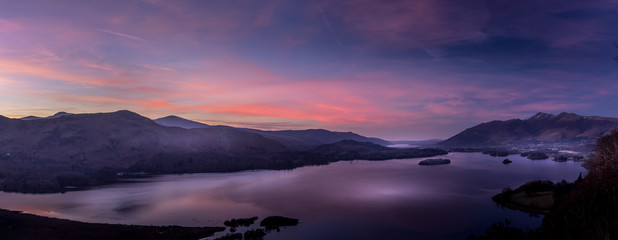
398,70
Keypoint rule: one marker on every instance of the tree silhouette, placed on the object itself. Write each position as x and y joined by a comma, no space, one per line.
604,162
590,211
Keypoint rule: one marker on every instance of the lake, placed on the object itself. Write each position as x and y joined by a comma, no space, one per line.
394,199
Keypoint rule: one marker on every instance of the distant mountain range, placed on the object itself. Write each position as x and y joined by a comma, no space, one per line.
57,115
297,139
542,129
48,154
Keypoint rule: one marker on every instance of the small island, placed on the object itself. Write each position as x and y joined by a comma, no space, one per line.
275,222
269,223
535,155
506,161
435,161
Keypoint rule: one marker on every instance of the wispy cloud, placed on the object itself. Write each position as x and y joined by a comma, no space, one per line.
124,35
45,72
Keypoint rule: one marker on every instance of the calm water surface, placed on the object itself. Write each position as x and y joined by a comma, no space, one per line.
395,199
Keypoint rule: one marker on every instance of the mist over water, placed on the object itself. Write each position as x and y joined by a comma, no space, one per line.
394,199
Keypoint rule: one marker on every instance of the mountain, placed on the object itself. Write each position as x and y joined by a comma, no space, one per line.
175,121
297,139
310,138
30,118
57,115
542,129
82,150
86,149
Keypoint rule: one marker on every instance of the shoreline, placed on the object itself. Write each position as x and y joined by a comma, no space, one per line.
19,225
128,176
505,199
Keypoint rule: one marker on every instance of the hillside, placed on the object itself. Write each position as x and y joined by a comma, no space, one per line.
542,129
310,138
86,149
57,115
297,139
53,154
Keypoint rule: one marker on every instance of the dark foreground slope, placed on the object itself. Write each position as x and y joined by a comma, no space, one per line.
590,210
17,226
564,129
585,209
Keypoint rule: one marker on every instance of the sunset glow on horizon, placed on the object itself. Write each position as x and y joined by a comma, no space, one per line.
402,70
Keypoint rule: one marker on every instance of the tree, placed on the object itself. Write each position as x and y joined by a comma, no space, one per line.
604,161
590,211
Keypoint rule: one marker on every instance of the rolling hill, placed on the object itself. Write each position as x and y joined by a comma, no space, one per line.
86,149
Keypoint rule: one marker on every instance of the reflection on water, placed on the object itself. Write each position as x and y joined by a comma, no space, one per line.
395,199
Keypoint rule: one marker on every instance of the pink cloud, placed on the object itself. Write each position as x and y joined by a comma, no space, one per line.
8,26
46,72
